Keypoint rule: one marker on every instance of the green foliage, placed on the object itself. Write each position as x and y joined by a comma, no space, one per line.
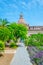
3,22
4,33
12,27
26,41
22,31
36,60
18,30
13,45
35,40
15,39
40,48
13,31
2,46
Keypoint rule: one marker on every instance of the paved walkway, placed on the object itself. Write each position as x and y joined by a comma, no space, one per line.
21,57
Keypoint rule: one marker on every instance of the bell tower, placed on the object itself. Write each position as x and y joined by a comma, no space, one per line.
21,19
21,16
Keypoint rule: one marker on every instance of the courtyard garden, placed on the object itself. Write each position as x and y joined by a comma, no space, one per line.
10,33
9,36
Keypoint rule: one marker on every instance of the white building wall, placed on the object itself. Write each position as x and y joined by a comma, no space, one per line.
34,32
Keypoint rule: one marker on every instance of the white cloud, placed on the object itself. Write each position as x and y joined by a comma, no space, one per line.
29,6
23,3
8,4
35,3
40,2
12,5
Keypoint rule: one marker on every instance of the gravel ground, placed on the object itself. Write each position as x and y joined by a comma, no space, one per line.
7,57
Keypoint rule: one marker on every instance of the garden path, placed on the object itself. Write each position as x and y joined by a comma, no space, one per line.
21,57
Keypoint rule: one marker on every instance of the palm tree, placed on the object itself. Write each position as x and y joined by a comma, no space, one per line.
3,22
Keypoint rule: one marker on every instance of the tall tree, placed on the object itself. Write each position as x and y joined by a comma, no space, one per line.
19,30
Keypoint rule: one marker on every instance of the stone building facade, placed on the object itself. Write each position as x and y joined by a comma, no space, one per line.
31,29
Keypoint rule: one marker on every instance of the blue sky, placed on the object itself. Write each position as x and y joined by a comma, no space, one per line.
32,10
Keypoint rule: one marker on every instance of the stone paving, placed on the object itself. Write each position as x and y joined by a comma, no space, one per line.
21,57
